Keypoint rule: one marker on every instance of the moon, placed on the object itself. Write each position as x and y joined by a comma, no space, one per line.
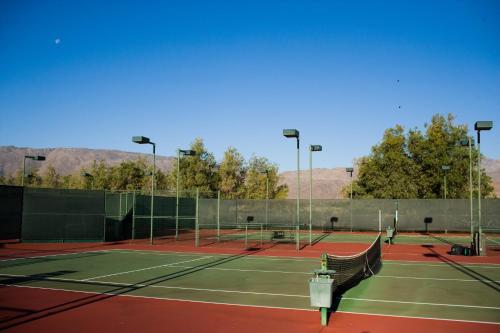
57,41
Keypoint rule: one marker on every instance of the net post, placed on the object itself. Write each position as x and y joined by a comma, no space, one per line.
120,207
324,262
196,220
133,215
379,220
324,316
218,215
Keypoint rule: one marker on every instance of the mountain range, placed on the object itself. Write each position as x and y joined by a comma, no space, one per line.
327,183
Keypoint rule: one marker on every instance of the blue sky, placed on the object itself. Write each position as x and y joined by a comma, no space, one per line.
92,73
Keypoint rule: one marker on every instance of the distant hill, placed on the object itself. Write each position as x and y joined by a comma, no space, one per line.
492,168
69,160
327,183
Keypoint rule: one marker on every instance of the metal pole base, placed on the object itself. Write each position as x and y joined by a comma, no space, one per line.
324,316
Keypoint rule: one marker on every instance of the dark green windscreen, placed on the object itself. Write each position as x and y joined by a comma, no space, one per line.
62,215
11,198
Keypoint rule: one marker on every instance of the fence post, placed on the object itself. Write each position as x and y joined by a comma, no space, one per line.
297,236
196,221
133,216
104,221
218,215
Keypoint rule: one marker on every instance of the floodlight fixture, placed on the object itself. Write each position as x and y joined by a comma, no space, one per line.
312,148
180,152
315,148
187,152
91,177
480,126
30,157
266,172
140,139
143,140
350,170
291,133
483,125
445,168
466,141
469,142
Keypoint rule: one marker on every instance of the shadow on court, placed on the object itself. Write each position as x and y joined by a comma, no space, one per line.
490,283
115,289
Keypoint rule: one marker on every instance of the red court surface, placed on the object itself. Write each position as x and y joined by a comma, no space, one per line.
31,309
38,310
407,252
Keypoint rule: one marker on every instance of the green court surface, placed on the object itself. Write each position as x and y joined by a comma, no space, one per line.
401,238
416,289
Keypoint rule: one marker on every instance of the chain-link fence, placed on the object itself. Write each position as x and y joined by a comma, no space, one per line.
36,214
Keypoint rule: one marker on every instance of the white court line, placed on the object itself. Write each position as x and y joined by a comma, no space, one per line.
492,240
275,294
421,303
254,306
423,318
374,276
300,259
436,279
144,269
247,270
53,255
243,255
438,264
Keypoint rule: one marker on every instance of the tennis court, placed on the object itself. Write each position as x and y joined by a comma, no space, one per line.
460,294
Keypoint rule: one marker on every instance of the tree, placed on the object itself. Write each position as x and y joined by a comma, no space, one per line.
255,182
51,178
129,175
101,174
387,173
410,165
232,174
197,171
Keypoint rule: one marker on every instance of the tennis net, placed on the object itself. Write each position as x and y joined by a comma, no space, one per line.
349,270
250,234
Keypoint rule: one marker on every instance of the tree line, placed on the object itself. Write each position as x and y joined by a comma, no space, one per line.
233,176
409,164
404,165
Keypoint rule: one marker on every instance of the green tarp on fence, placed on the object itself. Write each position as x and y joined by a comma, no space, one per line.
57,215
11,211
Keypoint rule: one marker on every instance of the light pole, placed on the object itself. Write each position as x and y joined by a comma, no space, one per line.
34,158
293,133
267,194
480,126
89,176
350,170
445,169
311,149
144,140
184,153
464,143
